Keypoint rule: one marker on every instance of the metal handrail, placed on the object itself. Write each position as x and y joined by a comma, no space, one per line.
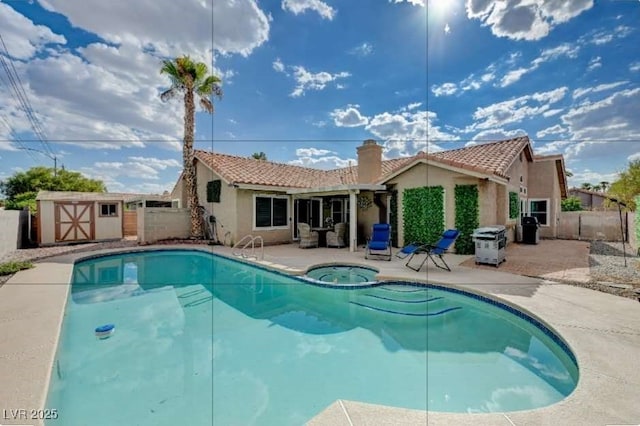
261,247
236,245
251,241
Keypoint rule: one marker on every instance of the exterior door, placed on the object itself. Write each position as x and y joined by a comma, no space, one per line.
306,210
75,221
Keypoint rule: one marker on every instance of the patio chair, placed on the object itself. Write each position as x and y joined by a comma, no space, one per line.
335,238
446,241
308,238
409,249
380,241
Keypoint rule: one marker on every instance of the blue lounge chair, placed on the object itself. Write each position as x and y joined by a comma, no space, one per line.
380,241
446,241
408,249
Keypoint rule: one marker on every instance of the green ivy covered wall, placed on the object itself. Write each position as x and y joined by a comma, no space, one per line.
423,214
467,217
514,205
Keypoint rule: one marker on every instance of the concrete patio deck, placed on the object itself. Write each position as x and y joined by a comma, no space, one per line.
602,330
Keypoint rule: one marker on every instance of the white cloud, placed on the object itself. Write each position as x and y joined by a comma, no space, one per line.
157,163
364,49
301,6
75,99
552,112
278,65
496,135
594,63
312,152
613,118
564,50
22,37
349,117
599,88
422,3
445,89
553,130
320,158
634,157
530,20
313,81
634,66
75,91
237,26
405,133
515,110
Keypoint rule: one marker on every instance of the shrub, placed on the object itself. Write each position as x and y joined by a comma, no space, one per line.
571,204
423,214
13,267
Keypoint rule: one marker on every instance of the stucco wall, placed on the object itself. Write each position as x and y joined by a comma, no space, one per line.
244,209
544,184
429,175
225,211
161,223
47,223
367,217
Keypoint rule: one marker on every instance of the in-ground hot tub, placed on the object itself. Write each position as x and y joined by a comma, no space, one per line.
343,274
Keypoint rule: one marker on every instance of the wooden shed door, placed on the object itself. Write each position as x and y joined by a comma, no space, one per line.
74,221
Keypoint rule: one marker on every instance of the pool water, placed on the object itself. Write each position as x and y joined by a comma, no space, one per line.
201,340
343,274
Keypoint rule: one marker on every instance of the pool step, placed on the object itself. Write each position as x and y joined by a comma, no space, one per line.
414,314
418,304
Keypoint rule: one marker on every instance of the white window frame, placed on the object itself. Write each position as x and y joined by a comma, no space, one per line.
344,209
548,211
269,228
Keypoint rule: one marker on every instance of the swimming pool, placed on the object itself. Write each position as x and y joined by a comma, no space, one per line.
234,344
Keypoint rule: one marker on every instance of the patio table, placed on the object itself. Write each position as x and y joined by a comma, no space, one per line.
322,235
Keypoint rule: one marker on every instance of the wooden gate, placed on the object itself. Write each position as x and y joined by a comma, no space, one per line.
75,221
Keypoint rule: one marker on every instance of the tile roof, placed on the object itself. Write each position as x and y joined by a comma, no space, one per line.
491,159
97,196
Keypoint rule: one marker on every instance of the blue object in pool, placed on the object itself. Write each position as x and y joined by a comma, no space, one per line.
105,331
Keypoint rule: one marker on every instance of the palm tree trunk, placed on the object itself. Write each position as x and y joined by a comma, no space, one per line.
189,167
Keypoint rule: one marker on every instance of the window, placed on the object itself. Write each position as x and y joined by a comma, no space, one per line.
109,210
539,209
340,210
213,191
270,212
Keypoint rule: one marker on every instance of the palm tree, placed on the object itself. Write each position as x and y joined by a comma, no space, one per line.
259,156
596,188
587,186
189,78
604,185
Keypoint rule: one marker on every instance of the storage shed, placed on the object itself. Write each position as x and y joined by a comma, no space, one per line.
71,217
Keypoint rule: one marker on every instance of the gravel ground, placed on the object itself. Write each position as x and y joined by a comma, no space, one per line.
607,267
606,263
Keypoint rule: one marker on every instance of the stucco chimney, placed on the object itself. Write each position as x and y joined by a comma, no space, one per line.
369,161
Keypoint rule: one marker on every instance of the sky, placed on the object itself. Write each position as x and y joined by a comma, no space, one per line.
306,81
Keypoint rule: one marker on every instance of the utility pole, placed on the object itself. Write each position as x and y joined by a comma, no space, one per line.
51,156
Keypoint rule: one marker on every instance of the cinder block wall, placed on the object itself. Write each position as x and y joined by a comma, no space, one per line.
162,223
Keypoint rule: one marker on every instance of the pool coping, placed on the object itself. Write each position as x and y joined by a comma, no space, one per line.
603,394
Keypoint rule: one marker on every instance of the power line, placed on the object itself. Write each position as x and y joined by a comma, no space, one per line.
15,83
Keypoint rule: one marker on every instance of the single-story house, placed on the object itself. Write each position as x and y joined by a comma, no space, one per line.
249,196
72,217
592,200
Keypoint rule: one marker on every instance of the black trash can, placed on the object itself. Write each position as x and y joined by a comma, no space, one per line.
530,227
